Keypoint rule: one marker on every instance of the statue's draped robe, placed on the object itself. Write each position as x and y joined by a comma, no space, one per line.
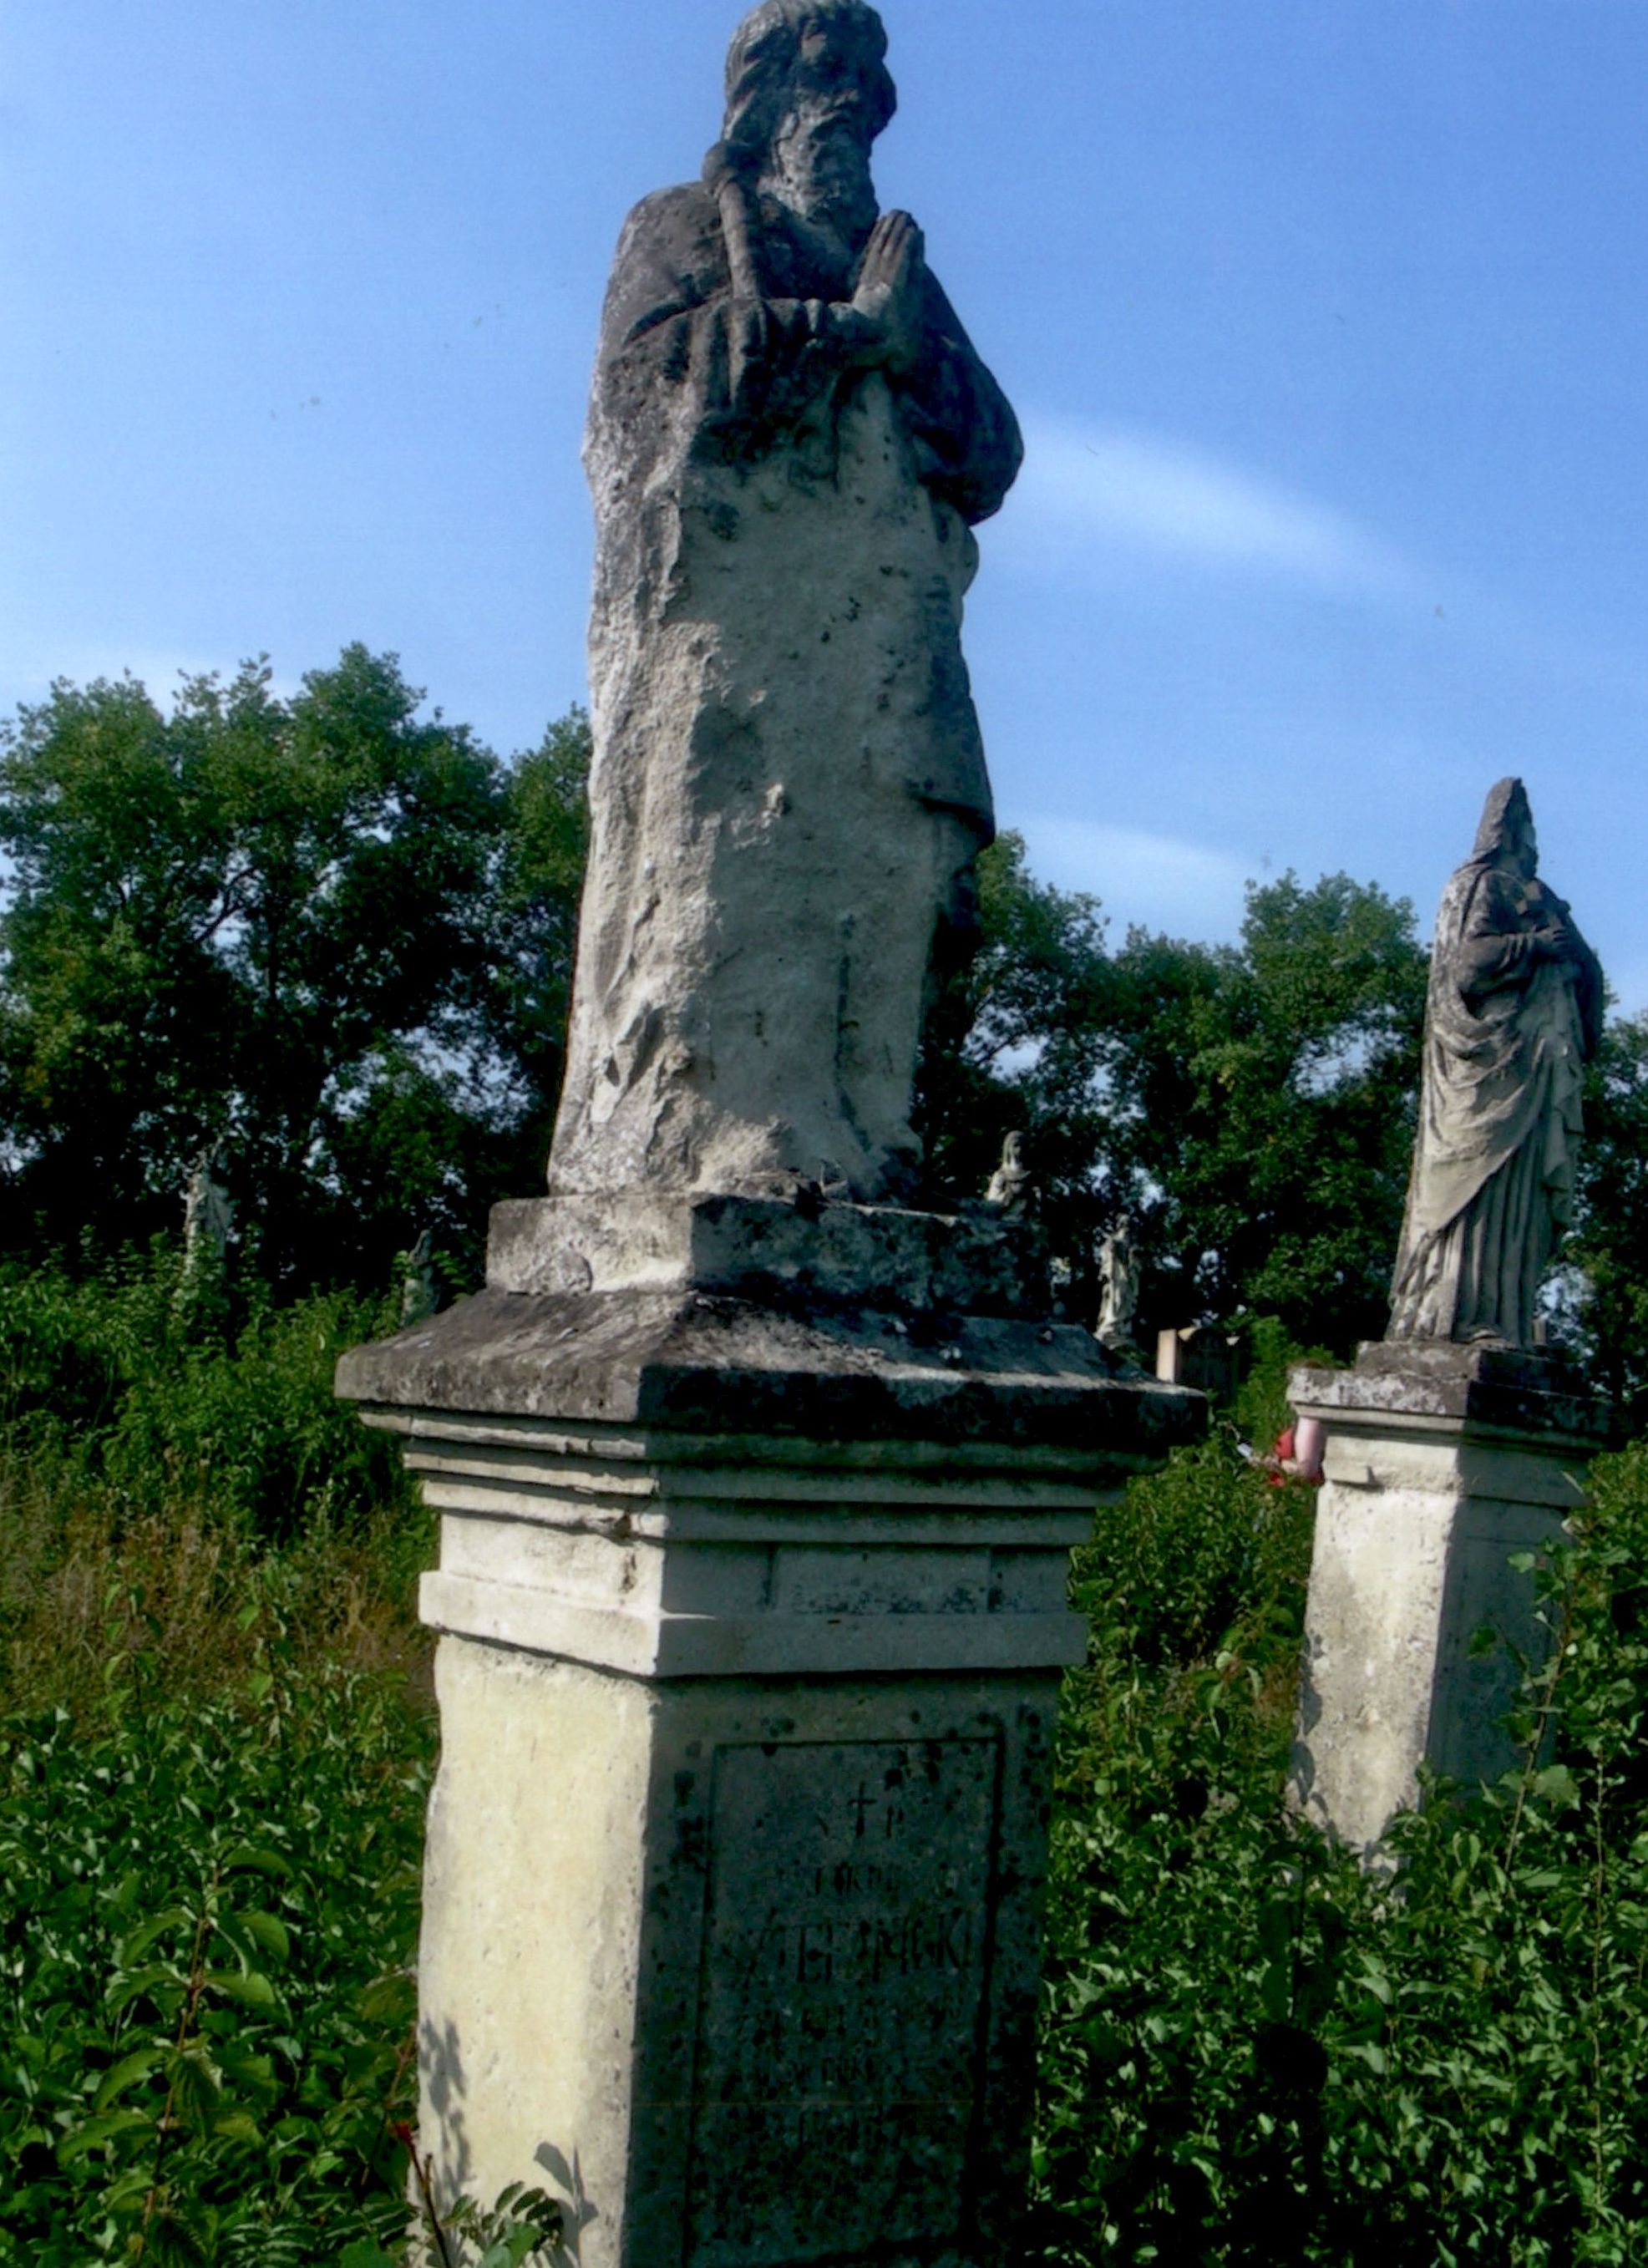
789,786
1508,1033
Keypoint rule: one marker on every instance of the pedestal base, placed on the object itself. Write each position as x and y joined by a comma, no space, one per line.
1442,1461
756,1959
751,1615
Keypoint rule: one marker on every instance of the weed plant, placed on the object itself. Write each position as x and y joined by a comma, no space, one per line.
1254,2050
143,1388
211,1906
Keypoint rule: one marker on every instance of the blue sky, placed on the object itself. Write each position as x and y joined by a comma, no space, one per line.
1328,324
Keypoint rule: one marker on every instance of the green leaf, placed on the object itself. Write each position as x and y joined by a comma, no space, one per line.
137,1941
1557,1785
249,1986
194,2082
260,1859
268,1931
128,2069
108,2126
165,1984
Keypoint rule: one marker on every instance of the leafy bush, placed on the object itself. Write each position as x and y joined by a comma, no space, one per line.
1194,1548
210,1912
1256,2052
215,1745
1252,2051
121,1383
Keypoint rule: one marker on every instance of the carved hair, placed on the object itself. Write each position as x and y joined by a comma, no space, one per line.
1505,815
760,64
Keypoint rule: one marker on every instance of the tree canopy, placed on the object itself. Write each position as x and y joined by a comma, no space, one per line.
1250,1105
325,934
331,935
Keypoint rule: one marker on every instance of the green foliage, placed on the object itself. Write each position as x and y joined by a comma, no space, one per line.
1182,1561
1256,2052
1252,2050
1262,1105
1611,1243
1016,1042
313,928
208,1918
522,2225
110,1381
546,841
1251,1106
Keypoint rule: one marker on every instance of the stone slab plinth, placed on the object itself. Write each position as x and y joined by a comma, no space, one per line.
752,1621
759,1248
1442,1463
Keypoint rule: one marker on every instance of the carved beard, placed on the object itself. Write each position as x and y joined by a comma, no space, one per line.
821,168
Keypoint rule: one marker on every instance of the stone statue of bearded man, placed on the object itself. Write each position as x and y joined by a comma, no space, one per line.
790,439
1514,1014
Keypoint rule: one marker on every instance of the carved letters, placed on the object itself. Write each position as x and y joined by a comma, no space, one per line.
846,1944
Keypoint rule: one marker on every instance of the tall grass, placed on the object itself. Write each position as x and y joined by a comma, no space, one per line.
172,1462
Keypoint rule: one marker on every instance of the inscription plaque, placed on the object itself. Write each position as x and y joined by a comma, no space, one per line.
841,1998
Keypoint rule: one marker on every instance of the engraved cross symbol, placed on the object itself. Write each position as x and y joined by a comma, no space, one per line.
859,1805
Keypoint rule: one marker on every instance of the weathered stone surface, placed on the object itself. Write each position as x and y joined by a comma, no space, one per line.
763,1247
756,1495
1442,1463
850,1891
677,1555
1516,1389
686,1360
1121,1266
756,1959
751,1628
1514,1014
1011,1192
790,438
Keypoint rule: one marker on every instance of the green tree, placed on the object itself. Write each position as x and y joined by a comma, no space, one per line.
1610,1244
1017,1042
1263,1106
546,840
293,927
1252,1105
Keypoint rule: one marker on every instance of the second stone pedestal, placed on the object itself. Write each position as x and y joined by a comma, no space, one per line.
1443,1462
751,1619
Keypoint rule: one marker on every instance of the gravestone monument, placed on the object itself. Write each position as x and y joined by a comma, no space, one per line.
1457,1440
1120,1267
757,1485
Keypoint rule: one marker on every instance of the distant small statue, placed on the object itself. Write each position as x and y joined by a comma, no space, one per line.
1512,1016
418,1300
1120,1266
1011,1191
208,1218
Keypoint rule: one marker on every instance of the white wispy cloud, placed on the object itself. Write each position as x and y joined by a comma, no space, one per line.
1159,880
1109,487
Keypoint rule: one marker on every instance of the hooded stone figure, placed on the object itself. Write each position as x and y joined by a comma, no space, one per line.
790,438
1512,1016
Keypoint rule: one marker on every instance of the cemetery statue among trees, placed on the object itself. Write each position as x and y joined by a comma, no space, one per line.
815,1862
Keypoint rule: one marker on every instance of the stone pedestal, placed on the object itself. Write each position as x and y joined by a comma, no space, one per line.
1442,1461
752,1615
